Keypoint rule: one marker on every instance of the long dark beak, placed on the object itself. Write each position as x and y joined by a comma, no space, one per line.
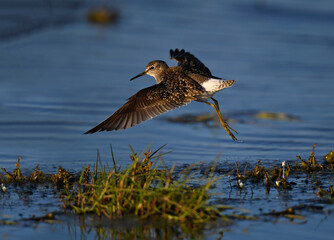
139,75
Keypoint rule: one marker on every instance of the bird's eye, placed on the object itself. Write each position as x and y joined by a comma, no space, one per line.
151,68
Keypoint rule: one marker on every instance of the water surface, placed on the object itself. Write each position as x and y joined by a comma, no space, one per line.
58,81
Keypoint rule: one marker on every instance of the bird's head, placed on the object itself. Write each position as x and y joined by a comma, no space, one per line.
154,69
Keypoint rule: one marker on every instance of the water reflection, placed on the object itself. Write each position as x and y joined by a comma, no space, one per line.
130,228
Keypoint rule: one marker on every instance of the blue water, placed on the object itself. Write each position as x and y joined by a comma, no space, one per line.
58,81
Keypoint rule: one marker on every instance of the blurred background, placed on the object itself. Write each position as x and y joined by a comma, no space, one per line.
65,66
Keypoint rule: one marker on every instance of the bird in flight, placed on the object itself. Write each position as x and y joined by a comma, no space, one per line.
176,86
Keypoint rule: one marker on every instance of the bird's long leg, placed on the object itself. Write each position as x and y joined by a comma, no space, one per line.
217,105
224,124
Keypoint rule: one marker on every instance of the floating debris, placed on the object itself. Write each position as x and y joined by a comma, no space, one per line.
276,116
49,217
209,120
102,15
249,117
289,213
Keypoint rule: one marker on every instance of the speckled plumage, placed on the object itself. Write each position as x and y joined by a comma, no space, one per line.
176,86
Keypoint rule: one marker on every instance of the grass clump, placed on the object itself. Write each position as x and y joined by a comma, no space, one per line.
145,188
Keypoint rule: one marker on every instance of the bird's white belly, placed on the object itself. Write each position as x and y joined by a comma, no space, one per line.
213,85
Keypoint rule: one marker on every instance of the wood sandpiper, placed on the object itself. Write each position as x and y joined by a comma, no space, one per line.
176,86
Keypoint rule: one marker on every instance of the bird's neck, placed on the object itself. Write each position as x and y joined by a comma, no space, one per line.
159,77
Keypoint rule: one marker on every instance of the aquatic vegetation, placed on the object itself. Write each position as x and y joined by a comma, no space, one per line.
330,157
187,198
16,174
329,192
62,178
278,176
269,176
17,177
311,164
145,188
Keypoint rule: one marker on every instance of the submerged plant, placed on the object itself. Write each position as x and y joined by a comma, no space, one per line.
269,176
329,192
62,178
330,157
16,175
311,164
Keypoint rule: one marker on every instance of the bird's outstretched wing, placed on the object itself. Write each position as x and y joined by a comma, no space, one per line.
189,62
144,105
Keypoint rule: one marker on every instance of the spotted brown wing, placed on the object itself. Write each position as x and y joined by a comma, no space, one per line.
189,62
144,105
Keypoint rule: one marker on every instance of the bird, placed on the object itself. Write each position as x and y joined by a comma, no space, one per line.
175,87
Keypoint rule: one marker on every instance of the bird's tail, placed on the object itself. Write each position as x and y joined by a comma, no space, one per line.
227,83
